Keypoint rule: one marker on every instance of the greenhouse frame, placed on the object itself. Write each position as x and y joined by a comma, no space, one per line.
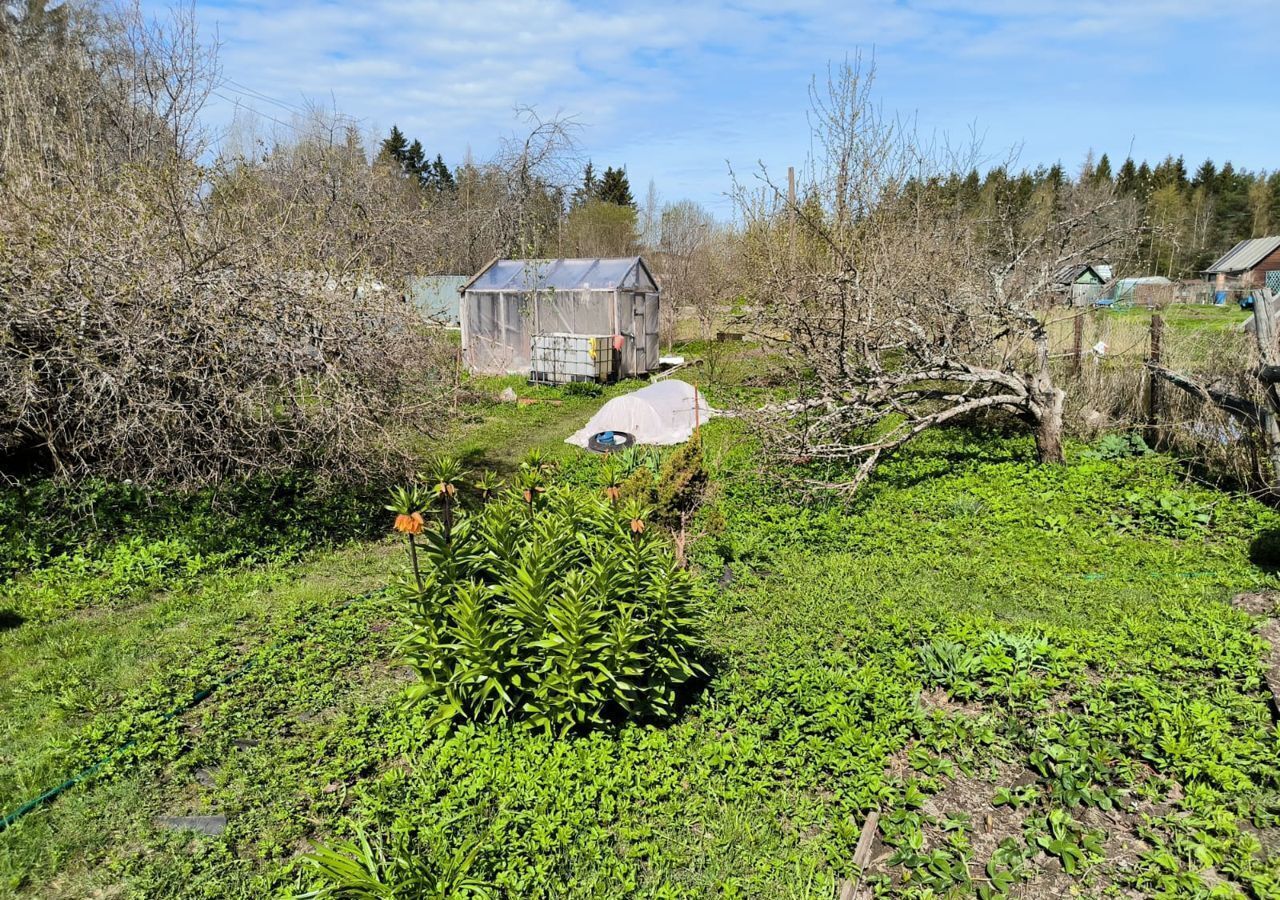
510,301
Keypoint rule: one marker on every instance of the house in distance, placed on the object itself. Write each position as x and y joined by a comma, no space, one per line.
1249,264
561,320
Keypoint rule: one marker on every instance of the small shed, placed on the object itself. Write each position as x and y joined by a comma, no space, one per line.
436,297
1081,284
511,301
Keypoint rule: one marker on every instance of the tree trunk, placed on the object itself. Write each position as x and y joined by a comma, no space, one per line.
1049,429
1047,403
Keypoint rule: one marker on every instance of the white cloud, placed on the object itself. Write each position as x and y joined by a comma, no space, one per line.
674,87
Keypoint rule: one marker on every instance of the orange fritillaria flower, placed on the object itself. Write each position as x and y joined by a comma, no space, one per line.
612,493
637,526
406,524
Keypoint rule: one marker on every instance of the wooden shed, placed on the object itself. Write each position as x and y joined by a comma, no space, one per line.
1249,264
511,302
1079,285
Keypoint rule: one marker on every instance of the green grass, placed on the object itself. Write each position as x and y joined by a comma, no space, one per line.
1185,317
971,621
496,435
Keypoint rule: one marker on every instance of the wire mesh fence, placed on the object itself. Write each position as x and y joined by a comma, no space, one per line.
1110,363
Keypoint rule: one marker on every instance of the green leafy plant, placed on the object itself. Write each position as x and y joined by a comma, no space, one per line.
582,389
364,870
1168,513
1117,446
1061,836
488,484
443,475
559,615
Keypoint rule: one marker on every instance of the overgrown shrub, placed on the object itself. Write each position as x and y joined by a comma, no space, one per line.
550,606
176,316
672,483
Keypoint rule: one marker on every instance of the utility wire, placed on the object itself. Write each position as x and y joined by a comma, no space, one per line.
253,92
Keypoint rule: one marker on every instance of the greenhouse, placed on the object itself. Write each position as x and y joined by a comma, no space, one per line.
536,317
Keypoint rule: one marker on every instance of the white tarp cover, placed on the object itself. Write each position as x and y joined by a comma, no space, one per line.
662,413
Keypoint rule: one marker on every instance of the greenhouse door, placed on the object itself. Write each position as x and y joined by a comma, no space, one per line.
639,343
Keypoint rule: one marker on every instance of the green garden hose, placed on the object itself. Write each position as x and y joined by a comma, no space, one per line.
196,699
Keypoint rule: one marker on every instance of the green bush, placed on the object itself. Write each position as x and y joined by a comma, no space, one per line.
681,483
672,484
1264,549
582,389
552,607
1118,446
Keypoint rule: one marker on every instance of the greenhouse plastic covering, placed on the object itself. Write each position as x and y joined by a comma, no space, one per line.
563,275
663,413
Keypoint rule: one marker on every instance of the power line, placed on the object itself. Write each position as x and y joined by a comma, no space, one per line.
256,112
259,95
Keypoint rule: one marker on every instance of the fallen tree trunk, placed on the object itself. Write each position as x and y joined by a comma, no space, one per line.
1240,407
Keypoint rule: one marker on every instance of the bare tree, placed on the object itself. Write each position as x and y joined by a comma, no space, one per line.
895,309
685,235
164,318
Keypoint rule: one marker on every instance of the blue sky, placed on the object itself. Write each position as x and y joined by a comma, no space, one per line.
680,90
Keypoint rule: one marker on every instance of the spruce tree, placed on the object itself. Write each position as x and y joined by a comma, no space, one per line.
1102,172
1127,178
440,175
415,164
395,145
589,188
615,188
1206,176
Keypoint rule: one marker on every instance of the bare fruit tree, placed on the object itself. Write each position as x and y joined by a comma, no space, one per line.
167,318
897,310
686,236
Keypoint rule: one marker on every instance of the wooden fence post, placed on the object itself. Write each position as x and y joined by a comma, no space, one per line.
1264,328
1077,344
1155,436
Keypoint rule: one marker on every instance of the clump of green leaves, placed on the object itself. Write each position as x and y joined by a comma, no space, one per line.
1061,836
582,389
1168,513
553,607
362,868
1117,446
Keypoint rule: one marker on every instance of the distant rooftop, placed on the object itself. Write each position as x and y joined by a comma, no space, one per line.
1072,274
1244,256
597,274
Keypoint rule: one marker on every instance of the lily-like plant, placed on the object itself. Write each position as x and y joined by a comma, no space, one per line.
560,612
611,476
408,504
444,475
488,484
